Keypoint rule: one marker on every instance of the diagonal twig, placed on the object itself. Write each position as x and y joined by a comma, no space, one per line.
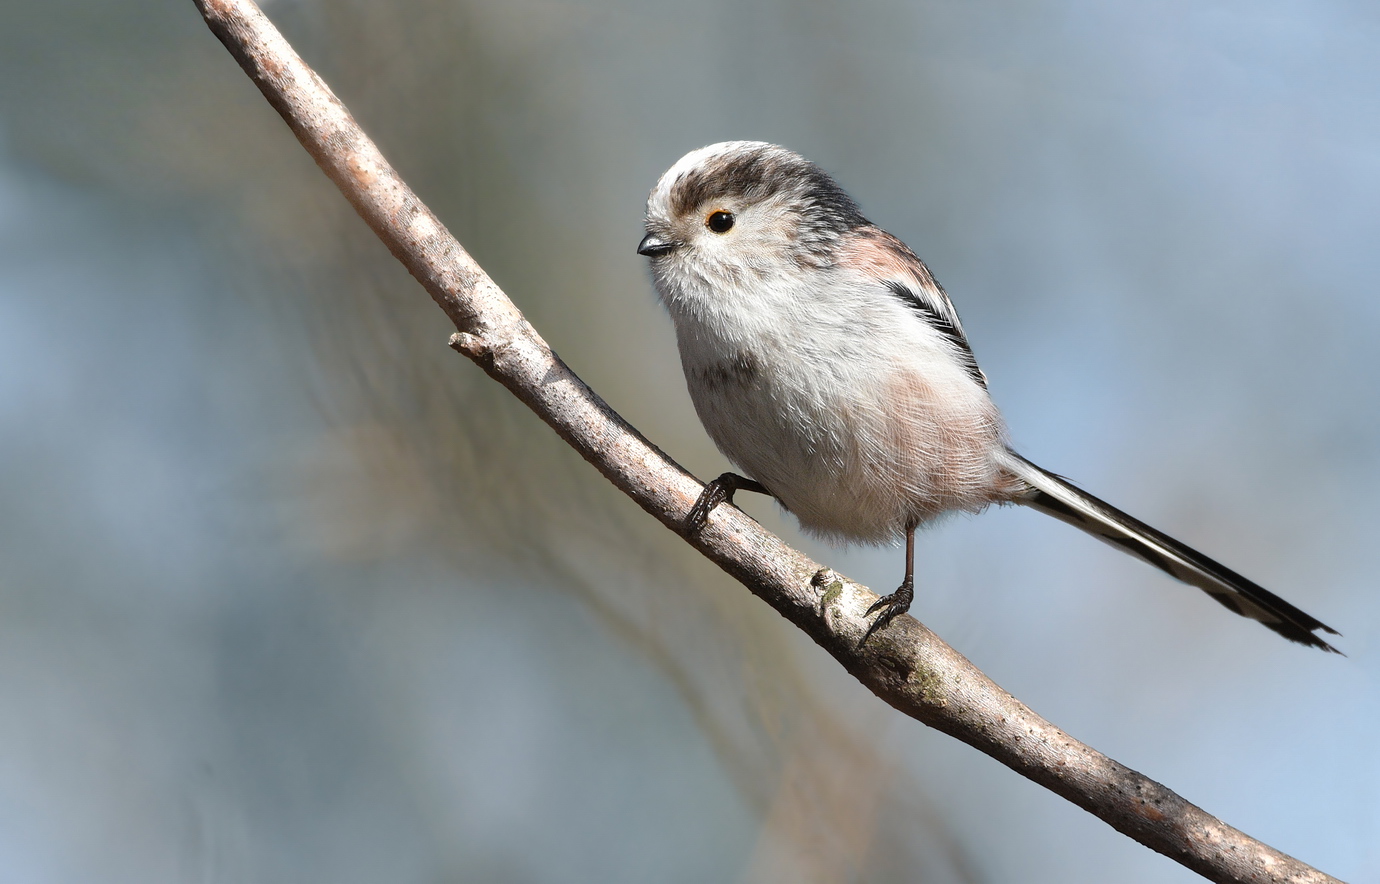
907,666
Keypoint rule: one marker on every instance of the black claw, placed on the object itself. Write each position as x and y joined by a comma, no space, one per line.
891,606
719,491
713,494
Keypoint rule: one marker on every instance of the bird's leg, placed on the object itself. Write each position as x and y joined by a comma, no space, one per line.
898,603
719,491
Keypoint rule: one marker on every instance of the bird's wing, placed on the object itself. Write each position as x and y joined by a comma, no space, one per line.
904,276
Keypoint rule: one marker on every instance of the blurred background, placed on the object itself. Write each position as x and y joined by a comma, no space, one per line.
291,592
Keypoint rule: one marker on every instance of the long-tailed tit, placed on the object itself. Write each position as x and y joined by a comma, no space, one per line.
828,365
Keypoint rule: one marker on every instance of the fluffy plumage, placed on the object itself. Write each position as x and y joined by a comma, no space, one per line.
827,363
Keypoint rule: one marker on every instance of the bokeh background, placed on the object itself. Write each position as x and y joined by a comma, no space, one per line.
290,592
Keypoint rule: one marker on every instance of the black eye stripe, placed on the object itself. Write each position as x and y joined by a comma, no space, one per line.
720,221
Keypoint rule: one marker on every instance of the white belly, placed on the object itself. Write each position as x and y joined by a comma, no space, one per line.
858,442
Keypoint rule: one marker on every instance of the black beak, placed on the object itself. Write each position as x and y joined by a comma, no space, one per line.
653,245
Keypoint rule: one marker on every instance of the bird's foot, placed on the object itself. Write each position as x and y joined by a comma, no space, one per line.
891,606
721,490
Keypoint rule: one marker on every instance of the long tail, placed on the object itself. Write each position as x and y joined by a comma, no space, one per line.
1053,495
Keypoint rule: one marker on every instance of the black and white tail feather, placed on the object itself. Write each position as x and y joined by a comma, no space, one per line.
1055,496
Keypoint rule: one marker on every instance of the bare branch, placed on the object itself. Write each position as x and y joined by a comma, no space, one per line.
907,665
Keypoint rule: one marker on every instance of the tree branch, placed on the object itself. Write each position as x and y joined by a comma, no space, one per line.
907,665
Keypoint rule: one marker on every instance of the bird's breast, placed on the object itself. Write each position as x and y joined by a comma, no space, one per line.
856,429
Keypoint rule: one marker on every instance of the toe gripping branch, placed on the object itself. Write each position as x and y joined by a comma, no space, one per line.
891,606
721,490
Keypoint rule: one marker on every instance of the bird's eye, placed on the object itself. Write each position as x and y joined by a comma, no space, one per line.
720,221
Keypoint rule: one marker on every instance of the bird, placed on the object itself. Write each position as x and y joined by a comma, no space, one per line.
831,369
